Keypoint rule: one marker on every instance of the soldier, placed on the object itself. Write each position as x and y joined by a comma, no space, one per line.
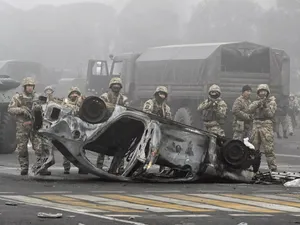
292,113
214,111
73,101
242,119
113,96
159,107
21,106
49,93
281,117
264,109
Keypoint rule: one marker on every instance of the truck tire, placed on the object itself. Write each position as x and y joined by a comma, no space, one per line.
8,142
184,116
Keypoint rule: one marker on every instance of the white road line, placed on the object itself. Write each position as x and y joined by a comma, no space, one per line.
185,216
295,214
73,210
1,193
108,192
249,202
291,156
259,215
186,203
124,215
47,204
277,197
107,201
170,191
52,192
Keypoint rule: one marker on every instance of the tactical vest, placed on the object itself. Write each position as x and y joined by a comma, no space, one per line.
159,110
115,99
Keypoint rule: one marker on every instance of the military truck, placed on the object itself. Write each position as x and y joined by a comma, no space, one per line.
189,70
7,122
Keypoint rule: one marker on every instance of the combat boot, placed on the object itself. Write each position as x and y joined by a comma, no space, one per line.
24,172
66,171
285,135
291,133
278,135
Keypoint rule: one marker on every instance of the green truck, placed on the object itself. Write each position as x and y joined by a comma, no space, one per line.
189,70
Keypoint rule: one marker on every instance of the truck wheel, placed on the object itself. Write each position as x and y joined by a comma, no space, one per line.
8,142
184,116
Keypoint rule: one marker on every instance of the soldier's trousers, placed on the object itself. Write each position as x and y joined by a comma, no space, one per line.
66,164
281,120
290,124
100,162
216,129
23,135
263,137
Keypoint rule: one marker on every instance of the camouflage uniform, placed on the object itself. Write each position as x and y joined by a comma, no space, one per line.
292,113
262,132
115,98
160,108
242,119
68,102
21,106
214,112
281,118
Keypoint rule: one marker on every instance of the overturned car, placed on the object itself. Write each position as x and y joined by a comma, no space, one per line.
145,142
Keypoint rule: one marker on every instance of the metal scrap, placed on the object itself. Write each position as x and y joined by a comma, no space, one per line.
143,140
49,215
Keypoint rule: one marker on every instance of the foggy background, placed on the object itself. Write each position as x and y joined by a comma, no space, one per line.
64,34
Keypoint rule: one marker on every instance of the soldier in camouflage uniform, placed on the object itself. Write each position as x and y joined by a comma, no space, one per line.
113,96
281,117
264,109
293,111
21,106
242,119
73,101
213,111
159,107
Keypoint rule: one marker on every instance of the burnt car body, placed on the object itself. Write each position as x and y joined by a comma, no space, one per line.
143,140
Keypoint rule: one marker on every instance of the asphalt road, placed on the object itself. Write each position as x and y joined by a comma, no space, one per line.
85,199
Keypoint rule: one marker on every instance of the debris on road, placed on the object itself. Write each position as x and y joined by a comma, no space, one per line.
11,203
276,177
243,223
49,215
293,183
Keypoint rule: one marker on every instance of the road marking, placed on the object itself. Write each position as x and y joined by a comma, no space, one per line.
52,192
162,204
125,215
2,193
185,216
108,192
72,201
272,201
43,203
284,155
278,197
230,205
107,201
187,203
255,203
259,215
295,214
69,209
170,191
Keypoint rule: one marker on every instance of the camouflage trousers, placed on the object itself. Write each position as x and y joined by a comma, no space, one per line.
100,162
23,135
66,164
216,129
263,137
290,125
283,121
241,130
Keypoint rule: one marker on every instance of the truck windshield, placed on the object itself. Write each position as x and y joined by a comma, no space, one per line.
117,67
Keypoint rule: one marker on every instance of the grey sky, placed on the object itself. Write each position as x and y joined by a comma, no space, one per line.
27,4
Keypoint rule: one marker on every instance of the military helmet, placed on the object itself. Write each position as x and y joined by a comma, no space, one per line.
115,80
263,87
74,89
48,88
214,87
162,89
28,81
